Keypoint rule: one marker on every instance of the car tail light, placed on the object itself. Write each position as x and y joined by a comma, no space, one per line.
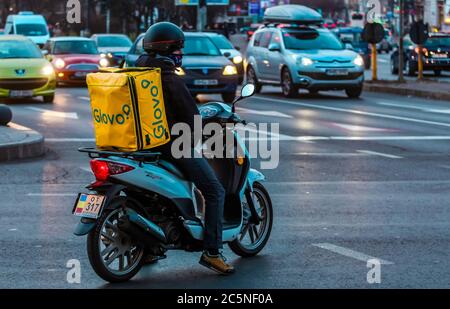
103,169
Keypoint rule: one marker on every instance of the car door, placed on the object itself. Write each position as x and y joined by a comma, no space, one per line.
274,57
265,65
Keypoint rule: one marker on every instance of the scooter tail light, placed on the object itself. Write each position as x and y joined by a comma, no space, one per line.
103,169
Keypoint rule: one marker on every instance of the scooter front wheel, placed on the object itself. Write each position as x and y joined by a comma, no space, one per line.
113,255
253,237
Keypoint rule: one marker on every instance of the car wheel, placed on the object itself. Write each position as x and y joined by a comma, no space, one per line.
437,72
253,79
354,92
394,70
287,85
228,97
410,70
48,98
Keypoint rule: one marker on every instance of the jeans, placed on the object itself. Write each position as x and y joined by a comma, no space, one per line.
203,176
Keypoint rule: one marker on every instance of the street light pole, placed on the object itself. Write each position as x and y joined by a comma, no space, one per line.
400,43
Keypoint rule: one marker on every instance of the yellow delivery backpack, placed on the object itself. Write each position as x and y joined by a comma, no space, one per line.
128,109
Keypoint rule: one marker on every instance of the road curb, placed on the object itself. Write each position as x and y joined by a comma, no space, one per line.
399,90
20,143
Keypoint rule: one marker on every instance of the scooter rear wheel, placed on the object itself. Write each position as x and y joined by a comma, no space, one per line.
253,238
112,254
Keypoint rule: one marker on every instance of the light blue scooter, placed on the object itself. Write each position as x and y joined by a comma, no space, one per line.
141,205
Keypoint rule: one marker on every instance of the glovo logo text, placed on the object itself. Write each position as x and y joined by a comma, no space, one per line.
112,119
158,125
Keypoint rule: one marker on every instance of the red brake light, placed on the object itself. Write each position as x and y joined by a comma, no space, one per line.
103,169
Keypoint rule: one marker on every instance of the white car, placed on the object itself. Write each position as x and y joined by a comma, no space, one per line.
30,25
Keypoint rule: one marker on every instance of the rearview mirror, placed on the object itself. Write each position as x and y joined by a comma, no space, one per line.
227,54
248,90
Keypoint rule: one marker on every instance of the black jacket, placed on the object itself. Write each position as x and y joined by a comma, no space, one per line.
179,104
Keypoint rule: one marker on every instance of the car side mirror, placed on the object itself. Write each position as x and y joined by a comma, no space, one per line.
274,47
227,54
349,46
237,48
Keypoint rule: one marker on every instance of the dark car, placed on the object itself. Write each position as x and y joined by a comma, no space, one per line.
114,46
436,55
352,35
135,51
205,70
228,50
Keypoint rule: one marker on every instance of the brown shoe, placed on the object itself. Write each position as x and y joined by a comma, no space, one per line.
216,263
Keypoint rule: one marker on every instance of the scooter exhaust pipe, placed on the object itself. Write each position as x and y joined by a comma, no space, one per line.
140,228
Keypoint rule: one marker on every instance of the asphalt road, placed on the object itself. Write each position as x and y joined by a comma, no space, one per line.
356,179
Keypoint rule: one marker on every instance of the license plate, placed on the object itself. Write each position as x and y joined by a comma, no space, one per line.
89,205
20,93
206,82
440,56
81,74
337,72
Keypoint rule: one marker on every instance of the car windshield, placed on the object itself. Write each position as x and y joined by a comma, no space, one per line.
114,41
31,29
436,42
140,46
75,47
349,37
200,46
311,39
222,42
19,49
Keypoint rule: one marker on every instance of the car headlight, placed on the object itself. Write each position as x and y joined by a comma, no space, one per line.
306,61
179,72
60,64
237,59
48,70
359,61
104,62
229,70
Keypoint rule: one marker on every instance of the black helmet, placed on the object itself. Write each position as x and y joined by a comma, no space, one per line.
163,38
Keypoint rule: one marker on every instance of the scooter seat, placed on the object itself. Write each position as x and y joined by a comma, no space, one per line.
170,167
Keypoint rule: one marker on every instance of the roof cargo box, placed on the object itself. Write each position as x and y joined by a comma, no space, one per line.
298,14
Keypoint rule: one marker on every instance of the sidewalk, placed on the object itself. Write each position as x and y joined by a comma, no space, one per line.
424,89
17,142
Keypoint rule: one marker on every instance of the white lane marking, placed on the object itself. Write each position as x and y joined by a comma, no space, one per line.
18,127
305,139
12,230
86,169
382,60
51,113
84,98
357,128
69,140
357,112
331,154
380,154
51,194
264,113
416,107
350,253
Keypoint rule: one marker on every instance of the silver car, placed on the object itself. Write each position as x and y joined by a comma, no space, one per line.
296,57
